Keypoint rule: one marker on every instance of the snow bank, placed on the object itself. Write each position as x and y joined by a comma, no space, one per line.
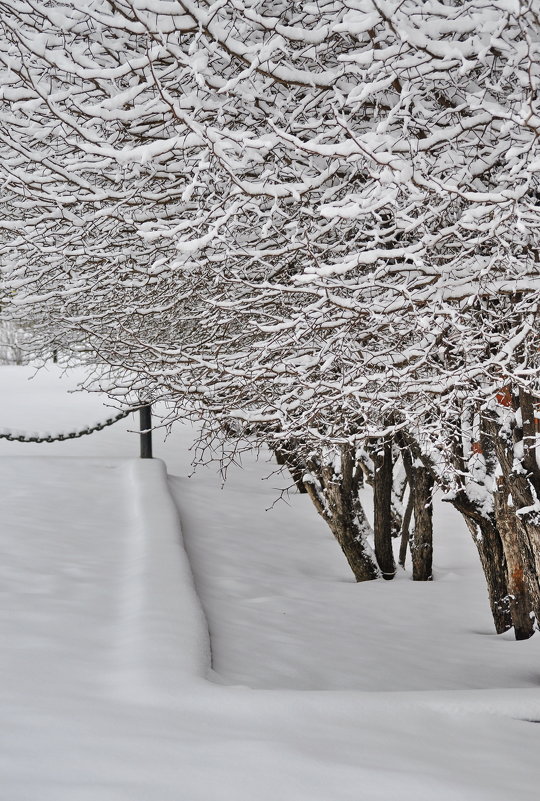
166,634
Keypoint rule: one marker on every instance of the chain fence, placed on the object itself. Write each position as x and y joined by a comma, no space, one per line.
13,436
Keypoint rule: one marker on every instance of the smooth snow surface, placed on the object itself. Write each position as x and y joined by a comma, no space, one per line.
321,689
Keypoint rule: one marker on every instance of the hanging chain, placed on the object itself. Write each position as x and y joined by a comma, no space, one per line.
83,432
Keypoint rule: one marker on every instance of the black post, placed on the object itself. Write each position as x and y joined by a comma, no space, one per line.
145,415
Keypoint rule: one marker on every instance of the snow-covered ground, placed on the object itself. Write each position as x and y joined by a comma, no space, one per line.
320,689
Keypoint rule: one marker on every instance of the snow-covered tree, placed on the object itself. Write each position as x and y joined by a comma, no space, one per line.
313,222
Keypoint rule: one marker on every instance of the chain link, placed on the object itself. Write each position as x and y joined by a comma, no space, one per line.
12,437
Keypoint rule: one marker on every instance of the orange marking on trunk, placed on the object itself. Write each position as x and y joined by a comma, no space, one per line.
517,578
504,396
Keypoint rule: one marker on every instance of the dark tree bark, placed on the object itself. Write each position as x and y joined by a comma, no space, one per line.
280,457
422,539
421,489
335,497
287,456
405,529
529,431
382,500
483,528
489,544
368,475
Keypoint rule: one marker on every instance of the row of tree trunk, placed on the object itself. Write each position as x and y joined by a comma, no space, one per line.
504,522
333,483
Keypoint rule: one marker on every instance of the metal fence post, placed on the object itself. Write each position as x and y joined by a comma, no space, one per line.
145,417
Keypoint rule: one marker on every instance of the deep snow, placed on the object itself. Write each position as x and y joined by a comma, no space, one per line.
321,689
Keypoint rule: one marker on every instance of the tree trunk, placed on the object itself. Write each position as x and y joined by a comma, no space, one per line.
530,438
405,528
488,542
421,490
352,538
520,602
382,499
518,524
335,496
365,464
422,539
482,526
